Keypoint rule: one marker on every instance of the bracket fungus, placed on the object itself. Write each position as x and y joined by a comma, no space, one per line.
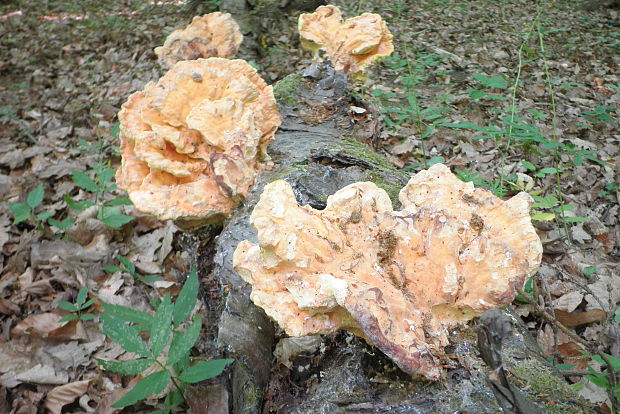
351,45
192,143
212,35
399,279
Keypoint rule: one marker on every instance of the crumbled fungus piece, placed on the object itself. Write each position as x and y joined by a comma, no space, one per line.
193,142
212,35
351,45
399,279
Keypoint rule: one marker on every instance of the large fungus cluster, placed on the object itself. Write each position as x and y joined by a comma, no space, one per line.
193,142
400,279
351,45
212,35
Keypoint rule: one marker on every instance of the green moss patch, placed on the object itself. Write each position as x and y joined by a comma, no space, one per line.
286,90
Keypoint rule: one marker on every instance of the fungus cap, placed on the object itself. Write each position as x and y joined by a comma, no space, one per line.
192,143
351,45
399,279
212,35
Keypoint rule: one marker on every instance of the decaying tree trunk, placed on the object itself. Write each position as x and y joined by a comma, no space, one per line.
260,18
318,152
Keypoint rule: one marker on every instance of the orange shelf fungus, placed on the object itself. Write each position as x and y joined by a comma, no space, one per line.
351,45
212,35
399,279
192,143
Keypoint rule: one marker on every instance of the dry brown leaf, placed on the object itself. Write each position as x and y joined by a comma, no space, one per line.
43,374
38,325
570,350
4,403
23,406
65,394
572,319
46,325
405,147
8,308
545,339
569,301
70,331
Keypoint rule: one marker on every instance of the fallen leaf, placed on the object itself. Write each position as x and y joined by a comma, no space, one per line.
572,319
43,374
606,290
545,338
65,394
593,393
46,325
39,325
4,403
405,147
8,308
571,350
568,302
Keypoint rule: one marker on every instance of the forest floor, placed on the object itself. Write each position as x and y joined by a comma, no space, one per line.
519,95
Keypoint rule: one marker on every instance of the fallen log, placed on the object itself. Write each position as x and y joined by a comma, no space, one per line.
318,151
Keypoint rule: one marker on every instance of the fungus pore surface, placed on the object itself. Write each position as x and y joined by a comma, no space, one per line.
351,45
193,142
212,35
399,279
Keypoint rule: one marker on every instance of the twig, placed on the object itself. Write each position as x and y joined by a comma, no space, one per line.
551,319
575,373
549,301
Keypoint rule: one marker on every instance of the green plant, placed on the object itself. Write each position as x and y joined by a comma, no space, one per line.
528,288
98,181
608,188
541,173
495,186
80,305
124,326
404,109
128,267
550,207
589,271
429,163
8,114
100,184
487,82
23,212
600,114
212,5
608,378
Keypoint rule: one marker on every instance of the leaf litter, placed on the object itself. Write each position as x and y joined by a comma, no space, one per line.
65,71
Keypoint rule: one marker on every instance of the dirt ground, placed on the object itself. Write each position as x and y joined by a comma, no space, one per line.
512,95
